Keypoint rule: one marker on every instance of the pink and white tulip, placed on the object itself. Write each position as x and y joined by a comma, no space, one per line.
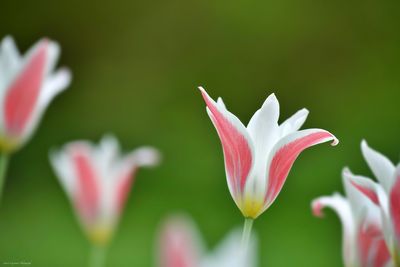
385,194
363,238
28,83
180,245
258,157
97,180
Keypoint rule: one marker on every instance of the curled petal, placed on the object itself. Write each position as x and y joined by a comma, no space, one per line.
285,153
342,207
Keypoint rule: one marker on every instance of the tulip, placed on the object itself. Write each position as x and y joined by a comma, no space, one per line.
97,180
180,245
363,238
258,157
385,195
27,85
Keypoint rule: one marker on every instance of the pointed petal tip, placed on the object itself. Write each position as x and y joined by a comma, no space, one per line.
305,111
346,171
272,97
364,144
8,39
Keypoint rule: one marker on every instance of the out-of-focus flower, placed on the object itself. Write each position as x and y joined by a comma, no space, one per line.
27,85
180,245
363,239
385,194
258,157
97,181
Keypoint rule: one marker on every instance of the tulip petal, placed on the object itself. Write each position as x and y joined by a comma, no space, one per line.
294,123
394,206
263,126
380,165
21,97
342,208
179,244
87,198
372,247
54,85
364,185
284,154
236,144
9,61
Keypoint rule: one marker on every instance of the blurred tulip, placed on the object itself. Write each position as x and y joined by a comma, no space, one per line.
97,181
363,238
258,157
385,194
180,245
27,85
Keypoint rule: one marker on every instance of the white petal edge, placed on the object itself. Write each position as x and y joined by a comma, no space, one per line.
380,165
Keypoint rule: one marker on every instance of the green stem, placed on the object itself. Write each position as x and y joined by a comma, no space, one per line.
98,256
248,224
3,171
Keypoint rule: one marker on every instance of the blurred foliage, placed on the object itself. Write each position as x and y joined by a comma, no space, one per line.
136,66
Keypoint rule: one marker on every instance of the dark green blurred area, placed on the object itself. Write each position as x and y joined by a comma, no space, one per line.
136,66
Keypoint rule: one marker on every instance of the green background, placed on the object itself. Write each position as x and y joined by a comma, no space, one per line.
136,66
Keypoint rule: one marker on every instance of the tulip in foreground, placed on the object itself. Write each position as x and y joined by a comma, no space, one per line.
385,195
363,238
97,180
258,157
28,83
180,245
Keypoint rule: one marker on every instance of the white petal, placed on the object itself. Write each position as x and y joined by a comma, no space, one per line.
62,165
221,103
380,165
9,61
294,123
53,85
145,156
263,126
264,131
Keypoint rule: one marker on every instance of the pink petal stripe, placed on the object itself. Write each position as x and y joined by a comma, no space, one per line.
21,98
284,158
395,206
87,198
368,192
372,247
124,187
237,152
382,256
177,248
